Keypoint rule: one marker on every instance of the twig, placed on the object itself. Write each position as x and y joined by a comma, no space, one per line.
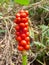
40,62
6,17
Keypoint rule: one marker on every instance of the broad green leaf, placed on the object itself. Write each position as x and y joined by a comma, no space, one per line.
22,2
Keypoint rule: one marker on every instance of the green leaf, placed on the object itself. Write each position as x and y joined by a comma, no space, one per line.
31,32
47,19
39,44
43,27
47,42
22,2
1,14
40,10
45,34
3,31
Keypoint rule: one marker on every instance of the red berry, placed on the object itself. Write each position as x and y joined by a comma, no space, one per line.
18,38
15,21
21,11
23,15
26,11
26,24
27,47
23,36
23,43
22,25
22,33
17,33
20,48
18,19
27,33
25,29
27,39
24,20
17,15
17,28
28,42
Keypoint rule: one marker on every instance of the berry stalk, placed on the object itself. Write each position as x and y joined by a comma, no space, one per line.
24,59
22,33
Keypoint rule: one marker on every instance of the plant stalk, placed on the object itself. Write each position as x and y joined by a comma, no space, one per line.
24,59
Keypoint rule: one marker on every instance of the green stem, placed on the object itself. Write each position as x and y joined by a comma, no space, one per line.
24,59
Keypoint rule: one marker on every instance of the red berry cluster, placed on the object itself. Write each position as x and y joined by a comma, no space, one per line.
22,33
